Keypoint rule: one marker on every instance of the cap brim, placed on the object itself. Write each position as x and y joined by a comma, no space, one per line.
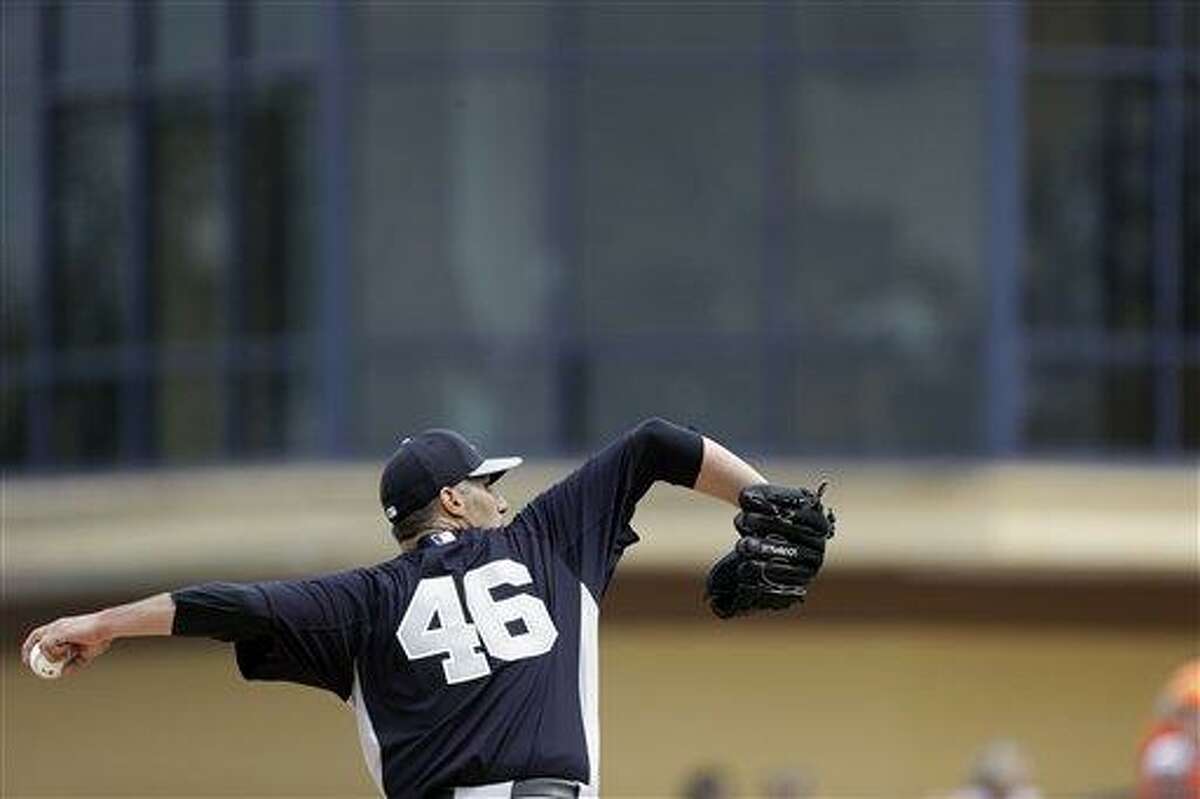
495,468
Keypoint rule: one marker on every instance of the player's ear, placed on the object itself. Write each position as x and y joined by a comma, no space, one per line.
452,502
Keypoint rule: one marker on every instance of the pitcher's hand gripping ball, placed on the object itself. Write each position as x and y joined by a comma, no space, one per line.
782,546
43,666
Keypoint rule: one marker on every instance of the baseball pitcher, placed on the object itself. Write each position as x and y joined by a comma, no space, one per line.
470,659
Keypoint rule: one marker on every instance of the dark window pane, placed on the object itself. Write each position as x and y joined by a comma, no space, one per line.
14,435
1189,228
883,283
190,416
1189,406
671,202
681,26
277,412
96,35
20,223
884,395
721,394
279,205
1080,406
392,27
86,423
900,26
1091,23
883,231
20,36
93,235
189,254
1089,204
189,35
1190,36
290,27
449,230
276,402
501,401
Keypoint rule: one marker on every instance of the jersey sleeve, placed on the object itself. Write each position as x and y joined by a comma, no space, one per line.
303,631
586,515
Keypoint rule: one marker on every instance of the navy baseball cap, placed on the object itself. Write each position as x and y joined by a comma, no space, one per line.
428,462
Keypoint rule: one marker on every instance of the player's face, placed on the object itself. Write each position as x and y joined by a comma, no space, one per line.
483,504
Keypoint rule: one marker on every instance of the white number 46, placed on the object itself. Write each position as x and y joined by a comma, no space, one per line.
459,639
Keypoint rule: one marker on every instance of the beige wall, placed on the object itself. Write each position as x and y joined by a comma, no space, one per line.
127,531
879,711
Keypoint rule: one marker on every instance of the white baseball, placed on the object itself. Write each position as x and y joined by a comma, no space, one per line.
43,666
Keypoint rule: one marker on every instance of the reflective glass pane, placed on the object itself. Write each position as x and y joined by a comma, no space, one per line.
1072,406
85,422
883,226
279,201
189,35
449,225
286,27
190,241
504,403
190,416
671,201
1189,406
278,412
189,280
14,401
1189,227
92,226
1090,23
1190,36
20,222
862,25
884,209
679,26
96,35
391,27
1089,204
20,35
881,394
718,393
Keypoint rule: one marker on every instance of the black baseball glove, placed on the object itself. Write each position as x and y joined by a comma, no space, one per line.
782,545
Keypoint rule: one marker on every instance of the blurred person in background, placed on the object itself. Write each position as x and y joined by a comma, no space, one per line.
707,783
1169,757
787,784
1000,771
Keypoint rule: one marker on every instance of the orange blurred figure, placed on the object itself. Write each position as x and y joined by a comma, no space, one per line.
1169,757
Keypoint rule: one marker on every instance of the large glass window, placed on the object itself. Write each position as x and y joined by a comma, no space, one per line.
882,276
1189,210
189,36
94,36
275,386
782,222
1091,23
659,27
1090,205
92,150
450,185
459,28
671,192
191,276
865,25
451,245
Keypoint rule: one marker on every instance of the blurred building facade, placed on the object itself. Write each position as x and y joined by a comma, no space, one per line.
243,230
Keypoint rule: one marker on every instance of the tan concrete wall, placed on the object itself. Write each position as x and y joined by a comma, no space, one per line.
66,535
888,711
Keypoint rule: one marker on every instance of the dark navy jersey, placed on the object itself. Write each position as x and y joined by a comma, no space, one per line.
472,660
